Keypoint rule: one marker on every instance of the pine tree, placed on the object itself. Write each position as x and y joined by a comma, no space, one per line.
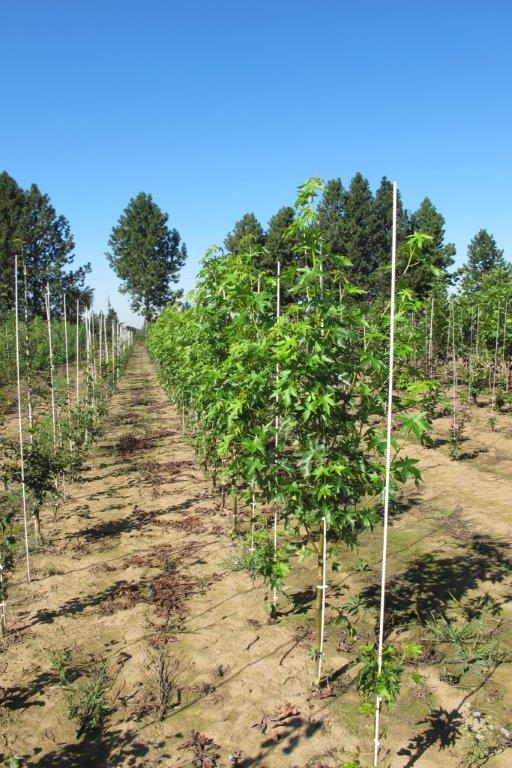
11,207
383,221
435,252
360,231
146,255
30,227
331,217
382,233
483,256
248,227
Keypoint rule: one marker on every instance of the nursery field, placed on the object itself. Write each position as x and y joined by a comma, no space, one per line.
139,600
273,529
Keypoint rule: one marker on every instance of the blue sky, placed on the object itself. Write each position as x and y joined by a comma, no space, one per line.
217,108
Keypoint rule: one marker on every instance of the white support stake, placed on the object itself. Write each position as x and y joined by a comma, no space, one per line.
278,315
20,425
389,424
323,588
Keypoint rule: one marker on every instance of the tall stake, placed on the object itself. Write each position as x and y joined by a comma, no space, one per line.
493,398
378,703
20,426
431,339
66,352
454,368
278,315
27,358
52,369
322,588
77,353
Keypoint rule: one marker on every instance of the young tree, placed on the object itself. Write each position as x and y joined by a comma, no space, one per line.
146,255
483,256
248,225
436,253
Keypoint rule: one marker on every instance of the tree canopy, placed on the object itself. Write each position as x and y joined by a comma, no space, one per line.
146,255
483,256
42,239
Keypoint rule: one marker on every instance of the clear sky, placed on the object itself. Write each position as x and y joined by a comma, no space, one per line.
220,107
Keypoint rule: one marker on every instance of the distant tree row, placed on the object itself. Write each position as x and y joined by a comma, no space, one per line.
42,239
357,224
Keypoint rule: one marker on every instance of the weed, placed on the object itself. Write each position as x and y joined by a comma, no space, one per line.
479,746
469,643
86,698
14,761
52,570
168,670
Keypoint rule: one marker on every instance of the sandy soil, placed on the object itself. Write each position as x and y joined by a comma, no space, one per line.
140,566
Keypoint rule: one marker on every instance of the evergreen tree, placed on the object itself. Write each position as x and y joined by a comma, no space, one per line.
47,249
360,231
382,233
383,221
30,227
483,256
11,207
280,244
146,255
331,217
436,253
247,226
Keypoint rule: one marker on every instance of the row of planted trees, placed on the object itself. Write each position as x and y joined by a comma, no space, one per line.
58,416
282,381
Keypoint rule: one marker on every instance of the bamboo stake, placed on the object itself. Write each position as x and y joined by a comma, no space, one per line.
454,368
493,394
20,427
52,369
66,353
322,588
3,605
278,315
431,338
27,359
389,424
77,352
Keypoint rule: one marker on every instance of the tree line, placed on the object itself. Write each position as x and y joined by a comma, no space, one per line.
31,228
356,224
147,254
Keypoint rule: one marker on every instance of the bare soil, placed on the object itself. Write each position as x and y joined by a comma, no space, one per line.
141,563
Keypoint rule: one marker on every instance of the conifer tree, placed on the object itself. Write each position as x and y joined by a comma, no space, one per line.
247,226
483,256
146,255
436,253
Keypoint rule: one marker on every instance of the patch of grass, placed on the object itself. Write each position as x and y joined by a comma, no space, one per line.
468,640
480,746
85,698
52,570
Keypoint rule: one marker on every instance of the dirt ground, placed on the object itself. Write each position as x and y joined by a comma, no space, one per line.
140,567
